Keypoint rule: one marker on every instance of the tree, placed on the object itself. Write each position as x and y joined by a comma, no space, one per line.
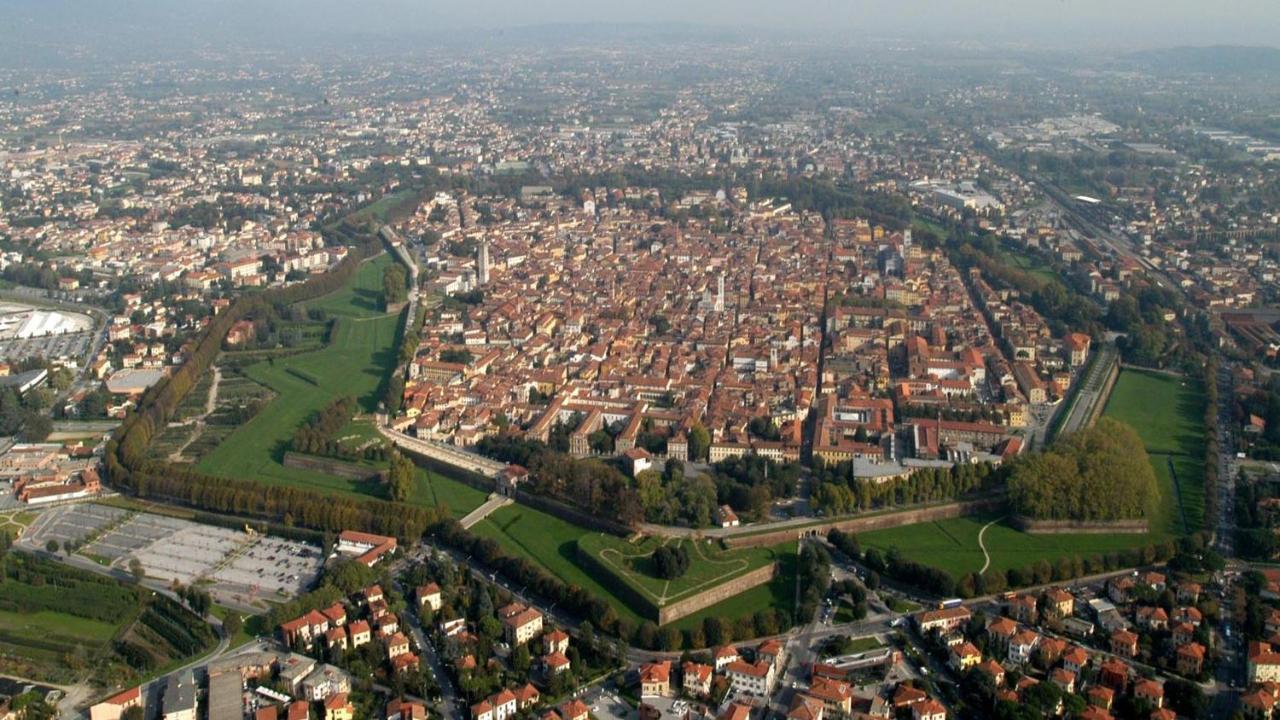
1099,474
51,546
521,661
232,624
670,561
400,478
136,569
699,442
394,285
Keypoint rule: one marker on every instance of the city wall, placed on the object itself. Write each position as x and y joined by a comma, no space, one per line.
1050,527
868,522
724,591
330,466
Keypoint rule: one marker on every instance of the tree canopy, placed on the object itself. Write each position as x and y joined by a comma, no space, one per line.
1099,474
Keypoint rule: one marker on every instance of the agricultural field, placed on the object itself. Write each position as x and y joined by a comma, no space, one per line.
58,624
553,544
1167,411
952,545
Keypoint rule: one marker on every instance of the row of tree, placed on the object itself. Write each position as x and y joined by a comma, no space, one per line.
840,492
320,429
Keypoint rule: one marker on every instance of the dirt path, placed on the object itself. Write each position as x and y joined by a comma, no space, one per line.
210,404
986,558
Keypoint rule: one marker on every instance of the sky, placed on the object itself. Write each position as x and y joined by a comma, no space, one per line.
1055,24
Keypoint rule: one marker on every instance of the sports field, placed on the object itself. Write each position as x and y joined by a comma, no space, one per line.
1168,412
710,565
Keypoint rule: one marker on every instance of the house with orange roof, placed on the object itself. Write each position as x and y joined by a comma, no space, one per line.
401,709
555,662
429,595
556,641
360,633
1124,643
655,679
527,696
1151,691
1064,679
1263,663
724,655
1100,696
964,656
751,678
113,707
836,696
696,678
366,548
1190,659
929,709
339,707
574,709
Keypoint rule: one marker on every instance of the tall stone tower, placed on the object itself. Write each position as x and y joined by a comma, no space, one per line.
482,263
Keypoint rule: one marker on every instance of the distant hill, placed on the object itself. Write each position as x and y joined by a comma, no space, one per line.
1213,60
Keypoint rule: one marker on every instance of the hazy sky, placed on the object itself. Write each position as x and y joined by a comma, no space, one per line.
1057,23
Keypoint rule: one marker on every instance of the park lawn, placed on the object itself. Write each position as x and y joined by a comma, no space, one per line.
1167,412
358,359
434,489
250,627
361,298
386,206
550,542
356,362
358,433
952,545
1030,265
553,544
778,594
709,564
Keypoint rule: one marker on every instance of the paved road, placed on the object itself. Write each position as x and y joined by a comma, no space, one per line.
1090,392
447,454
448,694
494,502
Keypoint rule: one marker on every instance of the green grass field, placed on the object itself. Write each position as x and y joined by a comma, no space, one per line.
357,362
550,542
553,544
1163,410
1167,412
779,594
952,545
709,564
1026,263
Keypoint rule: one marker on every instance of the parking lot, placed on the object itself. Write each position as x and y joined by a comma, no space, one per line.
71,346
74,523
232,564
